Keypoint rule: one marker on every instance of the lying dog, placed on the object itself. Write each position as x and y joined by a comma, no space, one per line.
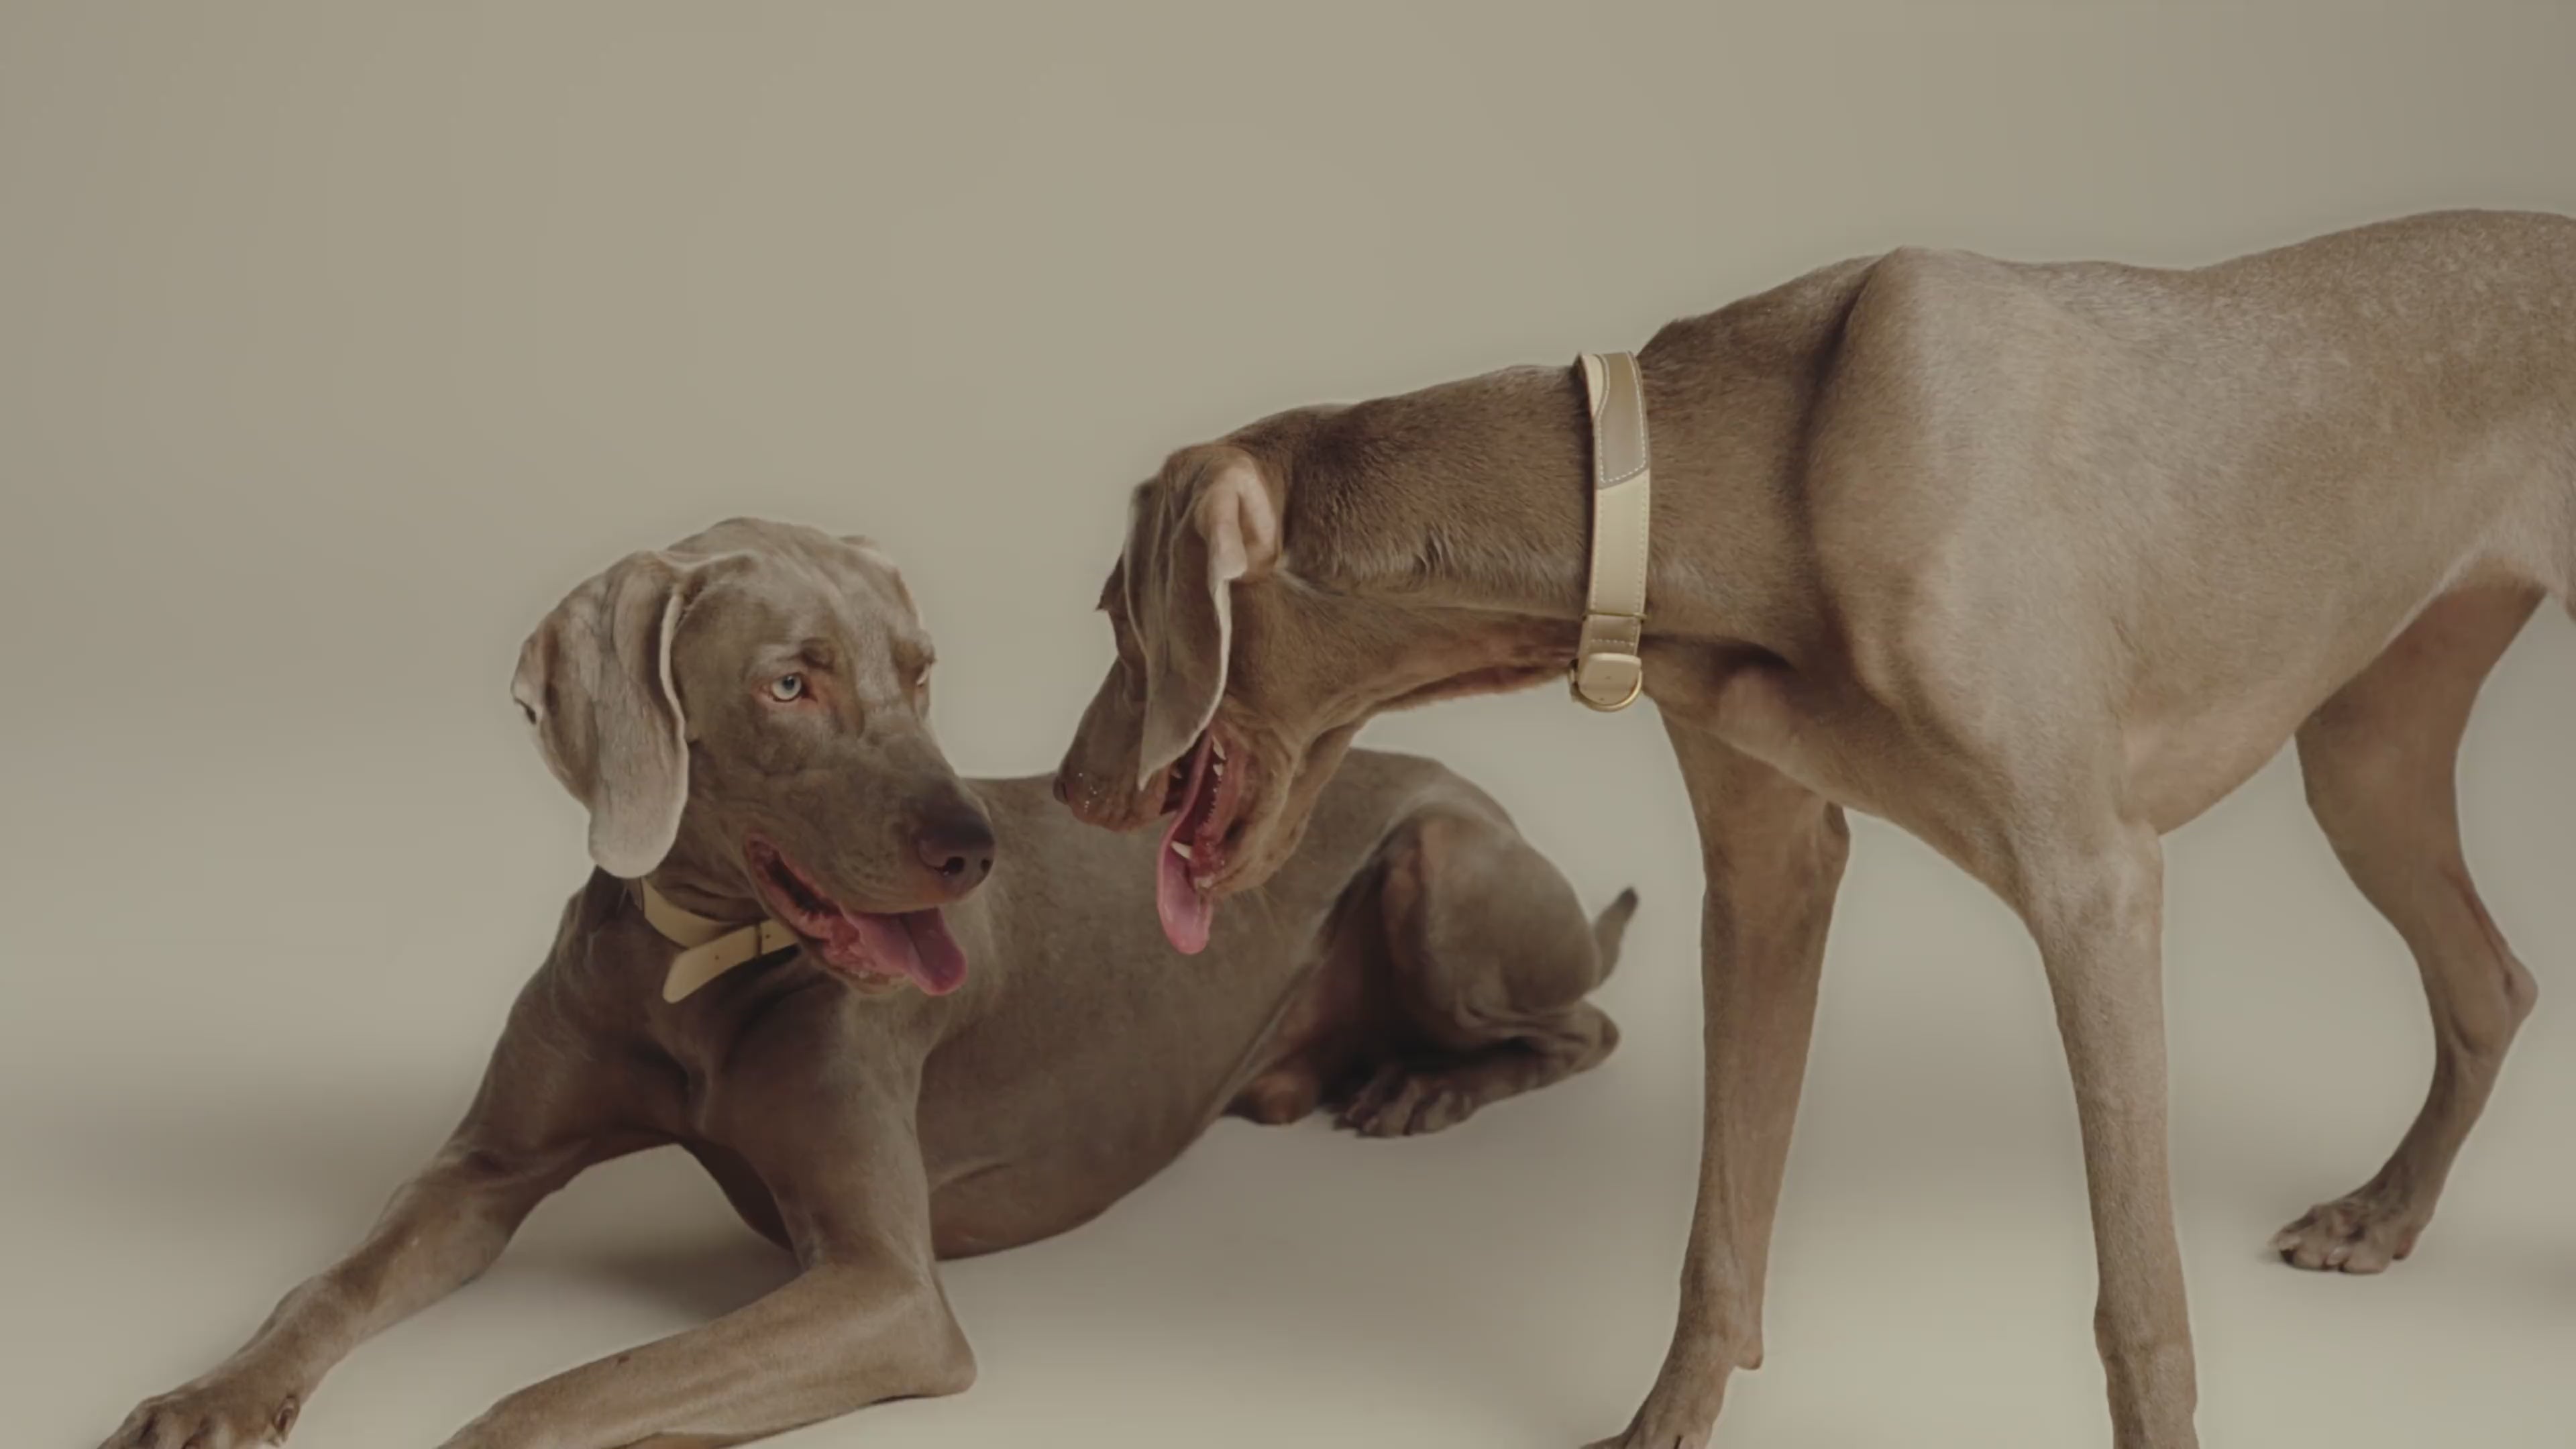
2037,562
744,717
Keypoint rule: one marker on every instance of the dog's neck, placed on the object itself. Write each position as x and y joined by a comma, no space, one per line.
714,894
708,947
1476,496
1471,494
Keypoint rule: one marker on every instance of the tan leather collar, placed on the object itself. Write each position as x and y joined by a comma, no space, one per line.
1608,672
708,948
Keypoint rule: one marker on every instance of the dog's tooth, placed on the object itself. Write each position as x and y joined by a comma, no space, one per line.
1180,850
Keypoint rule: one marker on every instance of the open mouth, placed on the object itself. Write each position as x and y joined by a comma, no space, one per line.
1204,799
871,950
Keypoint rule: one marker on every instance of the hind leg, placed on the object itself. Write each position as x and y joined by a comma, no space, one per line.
1488,960
2379,761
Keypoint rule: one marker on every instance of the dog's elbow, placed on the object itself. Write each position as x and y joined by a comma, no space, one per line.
908,1346
950,1367
939,1359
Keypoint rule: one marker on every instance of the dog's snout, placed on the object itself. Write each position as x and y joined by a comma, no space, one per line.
958,849
1082,794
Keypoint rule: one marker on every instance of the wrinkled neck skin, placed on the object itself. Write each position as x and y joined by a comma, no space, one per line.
1468,501
1468,508
706,875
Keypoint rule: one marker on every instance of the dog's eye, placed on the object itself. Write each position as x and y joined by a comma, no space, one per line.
787,688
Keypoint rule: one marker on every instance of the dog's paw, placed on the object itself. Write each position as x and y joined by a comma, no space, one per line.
215,1413
1400,1102
2362,1233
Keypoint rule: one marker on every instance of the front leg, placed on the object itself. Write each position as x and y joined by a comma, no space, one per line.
2094,900
1773,853
842,1336
440,1231
830,1132
538,1119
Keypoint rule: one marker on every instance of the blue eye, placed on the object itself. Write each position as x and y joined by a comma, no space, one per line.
787,688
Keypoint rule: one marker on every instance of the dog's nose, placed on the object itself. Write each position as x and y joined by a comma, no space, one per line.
1063,792
958,850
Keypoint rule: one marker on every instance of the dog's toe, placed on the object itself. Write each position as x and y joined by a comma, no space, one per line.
1402,1103
216,1415
2357,1234
1383,1108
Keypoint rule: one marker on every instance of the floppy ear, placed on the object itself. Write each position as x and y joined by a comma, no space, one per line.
1189,541
595,682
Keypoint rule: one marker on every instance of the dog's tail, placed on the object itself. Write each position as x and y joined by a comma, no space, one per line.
1610,927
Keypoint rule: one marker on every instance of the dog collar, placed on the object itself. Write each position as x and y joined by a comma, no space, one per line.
708,947
1608,672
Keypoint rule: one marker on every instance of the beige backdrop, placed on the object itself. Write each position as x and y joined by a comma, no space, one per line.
337,340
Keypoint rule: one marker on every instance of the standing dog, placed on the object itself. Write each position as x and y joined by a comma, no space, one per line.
744,715
2037,562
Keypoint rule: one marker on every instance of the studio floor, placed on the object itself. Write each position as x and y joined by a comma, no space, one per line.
235,1025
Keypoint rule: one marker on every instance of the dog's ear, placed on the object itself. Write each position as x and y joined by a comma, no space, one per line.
595,682
1206,525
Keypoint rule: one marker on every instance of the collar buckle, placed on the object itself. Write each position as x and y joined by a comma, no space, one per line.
1607,681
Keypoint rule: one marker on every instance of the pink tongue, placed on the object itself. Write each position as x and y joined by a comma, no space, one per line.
937,965
916,943
1188,916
